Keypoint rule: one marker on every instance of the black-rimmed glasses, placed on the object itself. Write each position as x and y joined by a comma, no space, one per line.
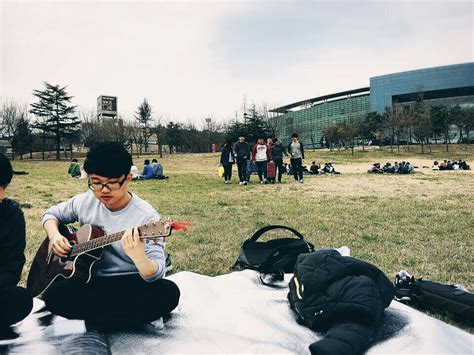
111,186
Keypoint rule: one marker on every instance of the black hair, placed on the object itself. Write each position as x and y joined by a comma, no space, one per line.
275,139
6,171
154,161
108,159
147,161
74,160
294,135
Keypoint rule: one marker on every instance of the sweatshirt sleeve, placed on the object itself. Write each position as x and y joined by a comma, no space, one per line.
254,152
155,252
64,212
302,150
12,251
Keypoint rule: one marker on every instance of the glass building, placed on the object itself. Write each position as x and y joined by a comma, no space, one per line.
446,85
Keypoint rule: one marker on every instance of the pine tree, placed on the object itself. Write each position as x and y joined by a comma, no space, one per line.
143,116
58,117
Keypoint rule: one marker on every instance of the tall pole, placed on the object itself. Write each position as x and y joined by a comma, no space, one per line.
208,121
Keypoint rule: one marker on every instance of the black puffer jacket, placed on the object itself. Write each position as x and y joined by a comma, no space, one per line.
341,296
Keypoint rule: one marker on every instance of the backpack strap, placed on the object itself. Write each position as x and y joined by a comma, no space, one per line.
265,229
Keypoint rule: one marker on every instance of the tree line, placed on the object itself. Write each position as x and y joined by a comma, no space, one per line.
399,125
52,125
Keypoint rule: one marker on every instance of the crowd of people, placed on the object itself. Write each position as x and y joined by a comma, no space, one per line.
451,165
396,168
150,171
266,155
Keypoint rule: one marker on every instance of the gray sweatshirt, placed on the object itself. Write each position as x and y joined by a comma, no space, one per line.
85,208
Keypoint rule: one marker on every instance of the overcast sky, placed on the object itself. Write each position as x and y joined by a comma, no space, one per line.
197,59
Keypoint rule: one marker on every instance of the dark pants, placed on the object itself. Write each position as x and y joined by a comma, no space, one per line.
115,302
279,169
296,165
15,304
262,169
227,171
242,169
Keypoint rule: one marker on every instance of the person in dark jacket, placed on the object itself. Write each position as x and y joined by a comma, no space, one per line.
296,152
15,302
340,296
242,155
227,159
277,151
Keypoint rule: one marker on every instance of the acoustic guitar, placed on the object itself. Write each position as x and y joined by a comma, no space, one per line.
87,247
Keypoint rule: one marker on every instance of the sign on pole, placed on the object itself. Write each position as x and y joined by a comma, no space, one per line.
107,106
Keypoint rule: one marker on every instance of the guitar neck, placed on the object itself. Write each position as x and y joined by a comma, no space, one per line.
151,230
96,243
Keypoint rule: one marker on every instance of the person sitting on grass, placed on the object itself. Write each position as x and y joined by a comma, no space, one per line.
74,169
463,165
410,168
435,165
403,169
148,172
314,168
396,167
158,170
375,169
127,289
15,301
388,168
443,165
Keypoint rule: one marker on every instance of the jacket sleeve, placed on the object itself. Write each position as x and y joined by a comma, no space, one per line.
302,150
222,156
344,338
269,154
12,252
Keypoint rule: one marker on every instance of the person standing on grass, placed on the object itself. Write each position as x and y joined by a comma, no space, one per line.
15,302
227,159
127,288
277,151
261,155
296,152
242,155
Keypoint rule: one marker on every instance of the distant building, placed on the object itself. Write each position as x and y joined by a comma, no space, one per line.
446,85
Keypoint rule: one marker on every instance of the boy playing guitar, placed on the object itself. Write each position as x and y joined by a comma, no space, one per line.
127,288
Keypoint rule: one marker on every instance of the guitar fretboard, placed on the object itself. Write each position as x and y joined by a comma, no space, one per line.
96,243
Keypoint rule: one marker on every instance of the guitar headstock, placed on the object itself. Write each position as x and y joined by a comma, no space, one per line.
159,229
155,230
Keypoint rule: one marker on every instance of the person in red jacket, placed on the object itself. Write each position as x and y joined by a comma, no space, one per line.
261,155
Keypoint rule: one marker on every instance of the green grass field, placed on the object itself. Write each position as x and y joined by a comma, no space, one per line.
422,223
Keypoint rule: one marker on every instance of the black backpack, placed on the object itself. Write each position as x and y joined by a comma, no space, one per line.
435,296
274,256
